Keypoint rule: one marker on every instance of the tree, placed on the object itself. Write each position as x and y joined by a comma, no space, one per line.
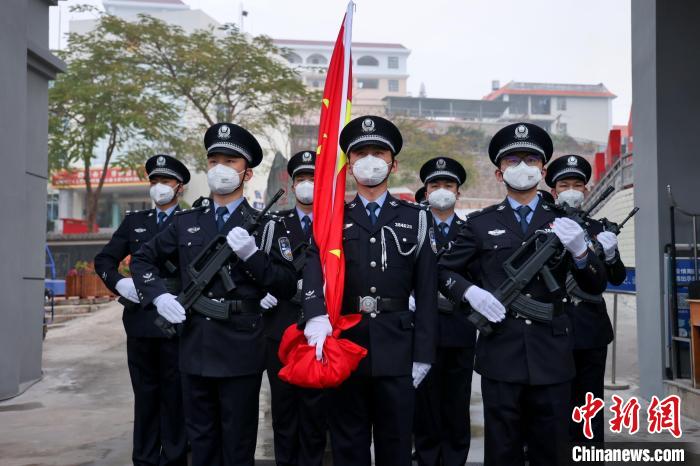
103,103
221,74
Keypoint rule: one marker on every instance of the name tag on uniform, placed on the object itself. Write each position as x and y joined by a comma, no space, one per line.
403,225
496,232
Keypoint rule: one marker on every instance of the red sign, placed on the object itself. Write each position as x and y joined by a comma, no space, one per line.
115,175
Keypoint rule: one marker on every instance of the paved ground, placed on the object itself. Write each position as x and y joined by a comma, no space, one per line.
80,412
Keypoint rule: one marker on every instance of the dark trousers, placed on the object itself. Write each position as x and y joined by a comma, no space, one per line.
518,414
366,407
298,417
590,374
159,422
222,418
441,427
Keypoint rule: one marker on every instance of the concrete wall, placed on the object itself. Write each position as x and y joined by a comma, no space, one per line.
586,118
26,68
666,95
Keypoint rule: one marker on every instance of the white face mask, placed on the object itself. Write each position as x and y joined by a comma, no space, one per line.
162,193
572,197
223,179
442,199
304,192
522,176
370,170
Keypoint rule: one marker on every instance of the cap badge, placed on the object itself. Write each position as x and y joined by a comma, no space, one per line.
224,132
306,157
160,161
572,162
367,125
521,132
441,164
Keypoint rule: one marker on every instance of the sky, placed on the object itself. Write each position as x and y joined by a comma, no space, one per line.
459,46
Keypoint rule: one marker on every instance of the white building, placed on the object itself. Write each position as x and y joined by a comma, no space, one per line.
379,69
583,111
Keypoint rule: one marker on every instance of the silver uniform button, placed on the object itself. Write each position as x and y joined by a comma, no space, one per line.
373,289
373,315
208,318
528,321
372,264
373,240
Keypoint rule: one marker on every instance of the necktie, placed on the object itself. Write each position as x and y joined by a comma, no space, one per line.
306,225
372,209
444,229
523,212
161,219
220,212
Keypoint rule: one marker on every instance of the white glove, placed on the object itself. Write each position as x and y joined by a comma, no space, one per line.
419,371
268,302
411,303
571,235
126,288
168,307
316,331
242,243
608,240
485,303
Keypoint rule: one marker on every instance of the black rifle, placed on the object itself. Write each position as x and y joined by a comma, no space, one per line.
213,261
535,256
571,286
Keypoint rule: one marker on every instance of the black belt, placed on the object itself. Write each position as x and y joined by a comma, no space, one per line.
376,305
223,310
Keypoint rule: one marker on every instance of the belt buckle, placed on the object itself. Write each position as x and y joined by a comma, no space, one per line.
368,304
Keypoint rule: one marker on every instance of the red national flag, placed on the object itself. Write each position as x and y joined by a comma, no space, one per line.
341,356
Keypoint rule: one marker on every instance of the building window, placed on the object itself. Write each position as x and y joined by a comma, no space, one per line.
52,207
518,104
562,128
367,61
315,82
316,59
541,105
393,63
393,85
561,103
293,58
368,84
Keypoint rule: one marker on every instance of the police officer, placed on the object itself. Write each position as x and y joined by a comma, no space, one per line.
298,416
442,427
159,423
526,365
567,177
420,195
388,253
222,346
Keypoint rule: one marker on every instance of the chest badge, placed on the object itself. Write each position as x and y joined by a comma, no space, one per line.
139,230
193,229
286,248
496,232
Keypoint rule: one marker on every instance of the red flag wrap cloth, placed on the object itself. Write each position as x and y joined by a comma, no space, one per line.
340,356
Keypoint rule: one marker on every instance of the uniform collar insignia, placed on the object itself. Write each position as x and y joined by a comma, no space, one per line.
347,225
501,207
150,214
393,203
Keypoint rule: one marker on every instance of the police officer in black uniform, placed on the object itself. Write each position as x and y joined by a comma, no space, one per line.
298,415
388,253
526,365
159,423
222,346
442,428
420,195
568,176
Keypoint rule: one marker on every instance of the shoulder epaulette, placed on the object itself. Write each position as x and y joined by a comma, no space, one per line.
193,209
413,204
485,210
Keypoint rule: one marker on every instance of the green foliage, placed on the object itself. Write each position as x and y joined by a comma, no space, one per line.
421,142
